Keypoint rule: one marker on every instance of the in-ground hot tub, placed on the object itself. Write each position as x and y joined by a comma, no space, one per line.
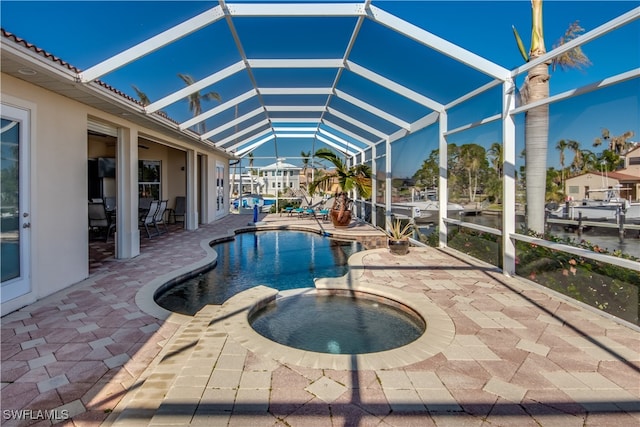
338,322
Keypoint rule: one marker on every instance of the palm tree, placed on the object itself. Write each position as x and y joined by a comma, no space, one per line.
356,177
561,146
306,159
196,98
472,156
536,88
589,161
617,144
576,163
497,158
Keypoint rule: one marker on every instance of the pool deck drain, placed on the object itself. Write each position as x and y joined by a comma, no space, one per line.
520,355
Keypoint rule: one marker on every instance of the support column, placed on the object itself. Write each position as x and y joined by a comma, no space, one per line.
192,191
443,183
387,181
203,164
509,179
127,232
374,188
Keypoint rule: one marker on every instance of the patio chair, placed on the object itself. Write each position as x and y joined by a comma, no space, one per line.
158,218
99,220
179,210
144,203
286,210
110,203
324,214
147,218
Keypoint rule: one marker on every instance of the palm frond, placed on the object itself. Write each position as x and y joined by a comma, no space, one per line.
320,179
575,58
144,99
520,44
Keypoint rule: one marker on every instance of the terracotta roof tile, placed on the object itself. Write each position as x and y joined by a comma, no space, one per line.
19,40
39,51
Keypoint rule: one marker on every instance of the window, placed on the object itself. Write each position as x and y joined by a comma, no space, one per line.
574,189
634,161
149,179
291,185
273,185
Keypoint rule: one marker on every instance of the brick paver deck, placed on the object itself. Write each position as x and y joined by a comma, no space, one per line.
516,354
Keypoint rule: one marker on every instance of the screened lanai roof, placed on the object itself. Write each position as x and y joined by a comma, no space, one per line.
345,75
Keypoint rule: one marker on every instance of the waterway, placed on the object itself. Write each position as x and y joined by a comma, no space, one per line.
603,237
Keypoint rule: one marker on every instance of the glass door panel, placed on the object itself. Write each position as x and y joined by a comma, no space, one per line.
14,213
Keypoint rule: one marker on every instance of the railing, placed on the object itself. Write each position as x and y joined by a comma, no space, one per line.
608,283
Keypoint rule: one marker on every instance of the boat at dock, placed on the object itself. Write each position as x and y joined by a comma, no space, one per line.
611,208
426,211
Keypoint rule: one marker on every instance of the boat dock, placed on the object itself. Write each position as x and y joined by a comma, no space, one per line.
579,225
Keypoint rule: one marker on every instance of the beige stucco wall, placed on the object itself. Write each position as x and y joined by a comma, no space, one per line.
591,181
59,154
58,240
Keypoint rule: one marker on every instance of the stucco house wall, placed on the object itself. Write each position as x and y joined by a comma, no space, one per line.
59,153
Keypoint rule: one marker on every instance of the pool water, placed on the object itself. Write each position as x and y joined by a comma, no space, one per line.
338,324
279,259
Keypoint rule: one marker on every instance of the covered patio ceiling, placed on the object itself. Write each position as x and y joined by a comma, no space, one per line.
343,75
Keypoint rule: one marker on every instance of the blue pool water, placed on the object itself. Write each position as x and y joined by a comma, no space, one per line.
337,323
278,259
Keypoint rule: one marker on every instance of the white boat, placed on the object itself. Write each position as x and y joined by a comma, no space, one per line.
610,208
426,211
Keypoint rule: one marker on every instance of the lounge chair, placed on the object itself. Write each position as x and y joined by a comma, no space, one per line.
324,214
158,218
288,210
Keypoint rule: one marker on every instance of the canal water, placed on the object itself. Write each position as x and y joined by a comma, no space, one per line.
604,237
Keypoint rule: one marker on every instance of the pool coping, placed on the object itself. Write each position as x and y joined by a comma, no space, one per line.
234,312
439,332
145,297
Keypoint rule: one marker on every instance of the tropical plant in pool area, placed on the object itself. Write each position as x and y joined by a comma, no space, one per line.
398,236
398,231
357,177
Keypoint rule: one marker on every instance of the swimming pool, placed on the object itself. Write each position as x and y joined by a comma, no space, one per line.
280,259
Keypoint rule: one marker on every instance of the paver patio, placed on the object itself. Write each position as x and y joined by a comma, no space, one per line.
519,355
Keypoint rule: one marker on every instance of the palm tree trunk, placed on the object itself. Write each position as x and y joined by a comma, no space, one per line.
537,137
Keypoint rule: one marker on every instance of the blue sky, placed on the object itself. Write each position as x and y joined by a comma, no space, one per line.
84,33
